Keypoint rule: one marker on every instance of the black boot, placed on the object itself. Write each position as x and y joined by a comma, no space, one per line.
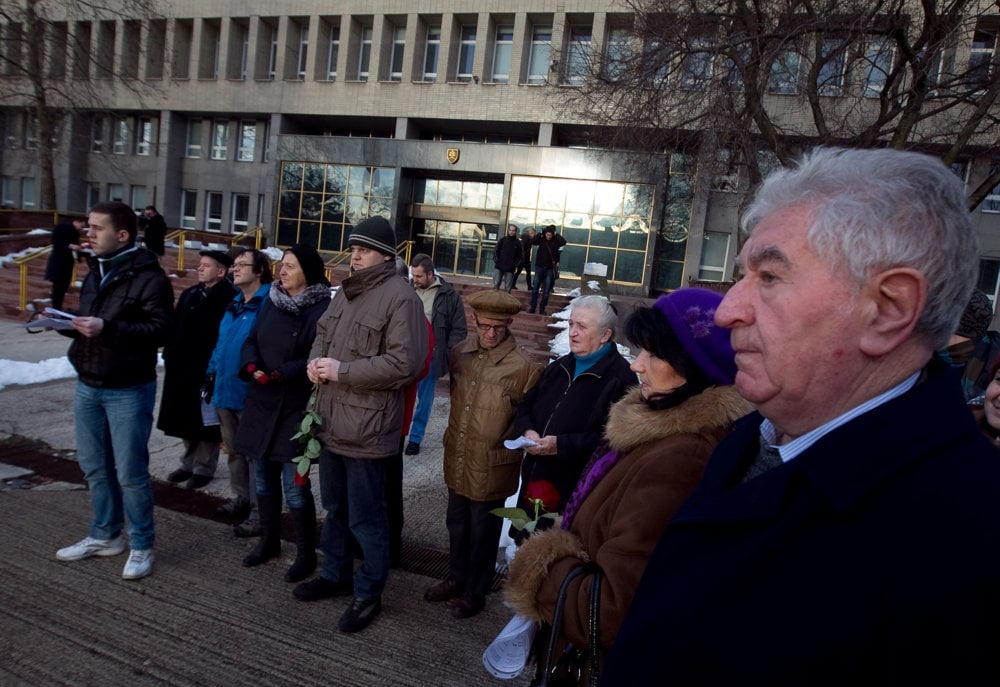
269,544
304,520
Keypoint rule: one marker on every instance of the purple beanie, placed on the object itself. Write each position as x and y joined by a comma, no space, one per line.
691,314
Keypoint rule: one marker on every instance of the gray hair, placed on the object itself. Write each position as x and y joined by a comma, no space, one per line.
874,210
606,314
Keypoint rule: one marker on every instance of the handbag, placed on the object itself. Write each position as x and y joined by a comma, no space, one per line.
568,670
555,272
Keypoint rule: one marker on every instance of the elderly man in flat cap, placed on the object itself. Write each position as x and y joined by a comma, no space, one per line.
185,358
490,375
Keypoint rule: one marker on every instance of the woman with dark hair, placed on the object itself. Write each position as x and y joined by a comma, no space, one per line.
986,408
274,359
658,439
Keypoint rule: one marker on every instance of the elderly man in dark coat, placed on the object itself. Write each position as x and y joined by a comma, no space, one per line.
185,357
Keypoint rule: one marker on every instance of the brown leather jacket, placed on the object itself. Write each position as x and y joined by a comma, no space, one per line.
486,388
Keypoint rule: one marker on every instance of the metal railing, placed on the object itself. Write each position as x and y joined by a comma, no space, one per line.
22,264
258,237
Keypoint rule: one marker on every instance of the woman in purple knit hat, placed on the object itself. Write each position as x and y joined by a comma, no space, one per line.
658,439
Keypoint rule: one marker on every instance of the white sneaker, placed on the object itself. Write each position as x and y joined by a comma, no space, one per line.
85,548
139,564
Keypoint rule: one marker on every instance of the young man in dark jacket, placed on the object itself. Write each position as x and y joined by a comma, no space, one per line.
506,258
126,313
546,261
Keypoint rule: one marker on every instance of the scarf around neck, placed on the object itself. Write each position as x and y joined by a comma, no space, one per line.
303,299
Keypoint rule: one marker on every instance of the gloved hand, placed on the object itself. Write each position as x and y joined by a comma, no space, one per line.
262,377
208,388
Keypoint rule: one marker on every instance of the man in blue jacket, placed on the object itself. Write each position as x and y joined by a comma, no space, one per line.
225,389
126,314
849,532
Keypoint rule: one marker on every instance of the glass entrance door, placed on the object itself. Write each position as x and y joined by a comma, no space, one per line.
458,247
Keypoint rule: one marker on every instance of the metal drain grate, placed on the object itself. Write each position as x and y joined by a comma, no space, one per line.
433,563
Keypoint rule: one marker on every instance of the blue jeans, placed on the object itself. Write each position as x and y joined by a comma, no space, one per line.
353,494
425,400
112,444
544,277
271,476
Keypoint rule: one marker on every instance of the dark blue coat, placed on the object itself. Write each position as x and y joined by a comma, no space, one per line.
871,558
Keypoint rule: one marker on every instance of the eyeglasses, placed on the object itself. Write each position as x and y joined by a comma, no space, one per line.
495,328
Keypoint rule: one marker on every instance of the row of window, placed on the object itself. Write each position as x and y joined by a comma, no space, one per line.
445,49
346,47
429,64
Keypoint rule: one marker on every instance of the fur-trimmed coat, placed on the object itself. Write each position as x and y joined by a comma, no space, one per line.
619,523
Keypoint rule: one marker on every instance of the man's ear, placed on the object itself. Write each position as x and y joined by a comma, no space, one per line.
892,304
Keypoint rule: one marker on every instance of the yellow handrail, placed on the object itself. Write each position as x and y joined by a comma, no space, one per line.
258,232
182,233
22,263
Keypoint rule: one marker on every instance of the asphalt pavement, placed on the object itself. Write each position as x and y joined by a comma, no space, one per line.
202,618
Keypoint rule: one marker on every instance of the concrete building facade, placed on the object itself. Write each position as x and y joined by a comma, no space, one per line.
306,117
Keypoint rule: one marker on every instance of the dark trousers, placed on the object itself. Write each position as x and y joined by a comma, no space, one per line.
353,494
527,275
60,285
474,537
394,501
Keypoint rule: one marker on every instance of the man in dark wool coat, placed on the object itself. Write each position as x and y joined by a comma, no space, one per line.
185,358
848,533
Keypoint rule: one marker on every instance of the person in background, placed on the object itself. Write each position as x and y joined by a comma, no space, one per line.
506,258
564,414
848,532
199,310
444,310
155,231
273,360
987,408
527,241
973,347
490,375
658,439
126,314
59,268
394,466
546,262
227,391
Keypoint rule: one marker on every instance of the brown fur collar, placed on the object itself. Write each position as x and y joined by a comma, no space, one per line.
632,423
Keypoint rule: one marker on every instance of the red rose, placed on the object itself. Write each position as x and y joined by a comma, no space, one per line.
543,491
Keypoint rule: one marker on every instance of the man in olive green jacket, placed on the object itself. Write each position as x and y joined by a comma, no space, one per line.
370,343
490,375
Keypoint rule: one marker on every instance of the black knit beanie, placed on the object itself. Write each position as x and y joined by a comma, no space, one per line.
375,233
311,263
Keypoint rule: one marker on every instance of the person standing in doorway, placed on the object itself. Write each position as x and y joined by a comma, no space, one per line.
506,258
546,262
